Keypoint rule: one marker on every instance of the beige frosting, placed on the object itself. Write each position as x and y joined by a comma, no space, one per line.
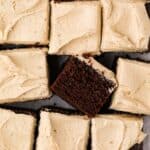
24,21
62,132
114,132
75,28
16,131
23,75
133,93
126,25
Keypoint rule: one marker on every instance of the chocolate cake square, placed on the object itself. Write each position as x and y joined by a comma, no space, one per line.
24,21
126,26
133,92
61,131
16,130
23,75
116,132
85,84
75,27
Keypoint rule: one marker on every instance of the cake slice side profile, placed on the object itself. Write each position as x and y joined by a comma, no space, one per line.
85,84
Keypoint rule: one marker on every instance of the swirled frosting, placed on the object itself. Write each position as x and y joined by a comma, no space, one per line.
16,131
75,28
24,22
23,75
133,93
116,132
58,131
126,25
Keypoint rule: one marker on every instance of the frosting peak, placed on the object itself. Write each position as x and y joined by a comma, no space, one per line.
16,130
15,16
75,28
133,94
122,25
17,80
58,131
116,132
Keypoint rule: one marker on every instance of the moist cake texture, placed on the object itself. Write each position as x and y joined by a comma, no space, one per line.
133,93
63,132
75,28
24,21
116,132
16,131
125,26
83,86
23,75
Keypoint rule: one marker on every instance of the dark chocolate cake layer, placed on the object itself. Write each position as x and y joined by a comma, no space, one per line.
81,86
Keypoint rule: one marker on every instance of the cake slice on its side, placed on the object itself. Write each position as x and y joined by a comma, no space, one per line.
16,130
23,75
133,92
116,132
85,84
63,132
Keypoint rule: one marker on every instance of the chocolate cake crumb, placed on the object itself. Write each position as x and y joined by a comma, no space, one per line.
83,87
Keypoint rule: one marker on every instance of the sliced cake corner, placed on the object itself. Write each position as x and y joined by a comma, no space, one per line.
85,84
